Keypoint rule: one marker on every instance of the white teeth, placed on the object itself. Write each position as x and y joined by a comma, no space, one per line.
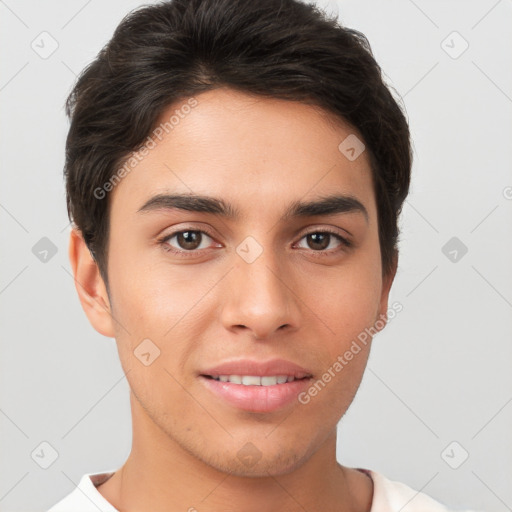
249,380
254,380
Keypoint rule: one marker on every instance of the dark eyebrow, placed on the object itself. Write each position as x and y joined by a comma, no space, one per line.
328,205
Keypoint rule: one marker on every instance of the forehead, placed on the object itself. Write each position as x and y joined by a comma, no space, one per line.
252,151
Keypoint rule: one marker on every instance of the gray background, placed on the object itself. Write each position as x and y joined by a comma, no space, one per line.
439,373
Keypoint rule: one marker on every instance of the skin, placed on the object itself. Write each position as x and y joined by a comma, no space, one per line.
260,155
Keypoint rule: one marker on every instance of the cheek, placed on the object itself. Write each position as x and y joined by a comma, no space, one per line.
168,306
152,296
348,305
348,301
344,358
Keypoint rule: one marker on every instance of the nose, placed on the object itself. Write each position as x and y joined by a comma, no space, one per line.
260,298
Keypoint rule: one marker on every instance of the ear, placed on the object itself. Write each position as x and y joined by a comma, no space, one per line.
89,284
387,281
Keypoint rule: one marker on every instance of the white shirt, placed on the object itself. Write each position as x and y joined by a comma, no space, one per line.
388,496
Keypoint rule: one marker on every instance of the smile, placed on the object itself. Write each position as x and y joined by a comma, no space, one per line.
256,394
254,380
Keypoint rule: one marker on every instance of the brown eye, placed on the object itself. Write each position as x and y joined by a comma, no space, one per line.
318,241
189,240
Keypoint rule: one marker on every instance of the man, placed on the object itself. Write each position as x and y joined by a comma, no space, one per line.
234,172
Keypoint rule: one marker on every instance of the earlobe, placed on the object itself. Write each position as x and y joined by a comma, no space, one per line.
89,285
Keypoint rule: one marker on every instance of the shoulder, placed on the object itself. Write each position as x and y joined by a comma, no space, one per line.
85,497
390,495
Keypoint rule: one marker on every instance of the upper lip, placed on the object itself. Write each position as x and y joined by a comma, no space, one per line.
258,368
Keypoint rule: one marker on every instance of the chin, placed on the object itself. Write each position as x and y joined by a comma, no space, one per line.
251,462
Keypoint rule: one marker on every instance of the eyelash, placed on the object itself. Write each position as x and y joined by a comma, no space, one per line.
186,254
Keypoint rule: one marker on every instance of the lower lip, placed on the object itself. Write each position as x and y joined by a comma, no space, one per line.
257,398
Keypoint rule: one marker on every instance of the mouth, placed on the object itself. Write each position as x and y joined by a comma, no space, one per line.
256,380
253,386
254,393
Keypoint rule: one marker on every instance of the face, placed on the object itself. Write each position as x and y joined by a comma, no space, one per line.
272,289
